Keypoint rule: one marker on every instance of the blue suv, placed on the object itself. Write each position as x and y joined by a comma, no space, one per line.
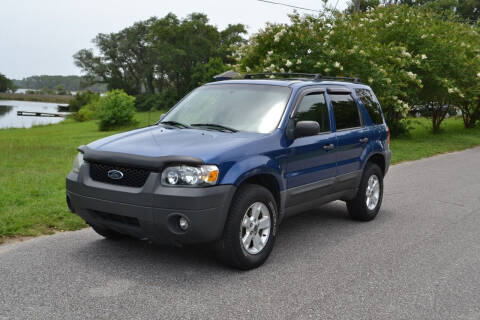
232,159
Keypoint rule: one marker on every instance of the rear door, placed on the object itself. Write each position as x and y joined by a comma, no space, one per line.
352,138
311,166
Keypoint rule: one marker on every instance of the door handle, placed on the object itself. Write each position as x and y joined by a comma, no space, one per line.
363,140
328,147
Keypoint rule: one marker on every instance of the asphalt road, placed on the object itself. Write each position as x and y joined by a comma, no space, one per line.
420,259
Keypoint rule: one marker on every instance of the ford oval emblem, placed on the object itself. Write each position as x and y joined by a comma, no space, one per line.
115,174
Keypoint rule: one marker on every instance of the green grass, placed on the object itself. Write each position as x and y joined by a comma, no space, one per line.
34,163
422,143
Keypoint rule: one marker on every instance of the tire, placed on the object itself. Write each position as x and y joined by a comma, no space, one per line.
358,208
108,233
245,244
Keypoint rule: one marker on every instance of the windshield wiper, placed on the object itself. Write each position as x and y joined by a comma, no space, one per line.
213,125
175,124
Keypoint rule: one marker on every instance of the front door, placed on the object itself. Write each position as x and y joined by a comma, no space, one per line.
311,166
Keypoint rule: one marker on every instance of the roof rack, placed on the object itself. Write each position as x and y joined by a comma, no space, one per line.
299,76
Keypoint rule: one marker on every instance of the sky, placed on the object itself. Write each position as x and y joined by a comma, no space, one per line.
40,36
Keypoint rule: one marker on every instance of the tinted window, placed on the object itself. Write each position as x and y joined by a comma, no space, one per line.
314,108
371,104
345,110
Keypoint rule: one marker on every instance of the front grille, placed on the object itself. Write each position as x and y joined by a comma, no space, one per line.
117,218
132,177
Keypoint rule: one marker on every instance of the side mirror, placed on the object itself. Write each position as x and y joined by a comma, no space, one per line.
306,128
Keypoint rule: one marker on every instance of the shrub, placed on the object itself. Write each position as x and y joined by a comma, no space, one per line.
116,109
82,99
88,112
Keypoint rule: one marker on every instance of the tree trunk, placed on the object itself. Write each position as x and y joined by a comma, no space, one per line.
470,118
437,117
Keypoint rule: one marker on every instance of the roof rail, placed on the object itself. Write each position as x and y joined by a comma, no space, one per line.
313,76
355,80
280,74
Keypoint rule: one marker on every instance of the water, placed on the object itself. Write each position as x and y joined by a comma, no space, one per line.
9,118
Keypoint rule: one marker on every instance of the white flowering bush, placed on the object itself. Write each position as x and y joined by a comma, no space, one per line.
409,56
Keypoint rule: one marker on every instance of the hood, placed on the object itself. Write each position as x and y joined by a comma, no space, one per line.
157,141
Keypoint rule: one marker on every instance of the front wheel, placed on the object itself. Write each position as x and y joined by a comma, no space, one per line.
366,204
250,230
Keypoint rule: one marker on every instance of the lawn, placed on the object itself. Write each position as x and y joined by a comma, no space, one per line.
423,143
34,163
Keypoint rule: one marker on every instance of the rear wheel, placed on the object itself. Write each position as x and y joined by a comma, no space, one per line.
366,204
250,229
108,233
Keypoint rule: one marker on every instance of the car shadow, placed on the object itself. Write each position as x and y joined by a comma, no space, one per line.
326,225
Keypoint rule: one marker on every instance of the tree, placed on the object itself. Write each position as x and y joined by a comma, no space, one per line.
158,54
204,73
183,46
6,84
467,10
408,55
125,61
356,6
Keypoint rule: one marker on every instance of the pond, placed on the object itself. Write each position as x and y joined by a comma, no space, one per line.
10,119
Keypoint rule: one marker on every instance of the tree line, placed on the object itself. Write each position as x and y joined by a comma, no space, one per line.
53,82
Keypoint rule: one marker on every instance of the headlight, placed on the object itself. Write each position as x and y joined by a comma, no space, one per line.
190,176
77,163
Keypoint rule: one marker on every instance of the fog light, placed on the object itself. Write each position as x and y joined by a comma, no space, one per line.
183,223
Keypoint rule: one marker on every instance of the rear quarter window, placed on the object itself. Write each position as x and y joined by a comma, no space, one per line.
371,105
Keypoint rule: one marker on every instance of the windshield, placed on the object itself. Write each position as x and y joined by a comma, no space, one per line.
243,107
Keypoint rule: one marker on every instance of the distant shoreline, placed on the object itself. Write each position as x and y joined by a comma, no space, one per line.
36,97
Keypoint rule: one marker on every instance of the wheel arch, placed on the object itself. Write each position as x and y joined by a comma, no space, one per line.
378,159
269,181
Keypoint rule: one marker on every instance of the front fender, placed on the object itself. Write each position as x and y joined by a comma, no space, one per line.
252,166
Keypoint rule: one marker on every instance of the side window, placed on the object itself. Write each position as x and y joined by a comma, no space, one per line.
313,108
345,110
371,104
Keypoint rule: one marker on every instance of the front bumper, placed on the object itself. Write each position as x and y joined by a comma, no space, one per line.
151,211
